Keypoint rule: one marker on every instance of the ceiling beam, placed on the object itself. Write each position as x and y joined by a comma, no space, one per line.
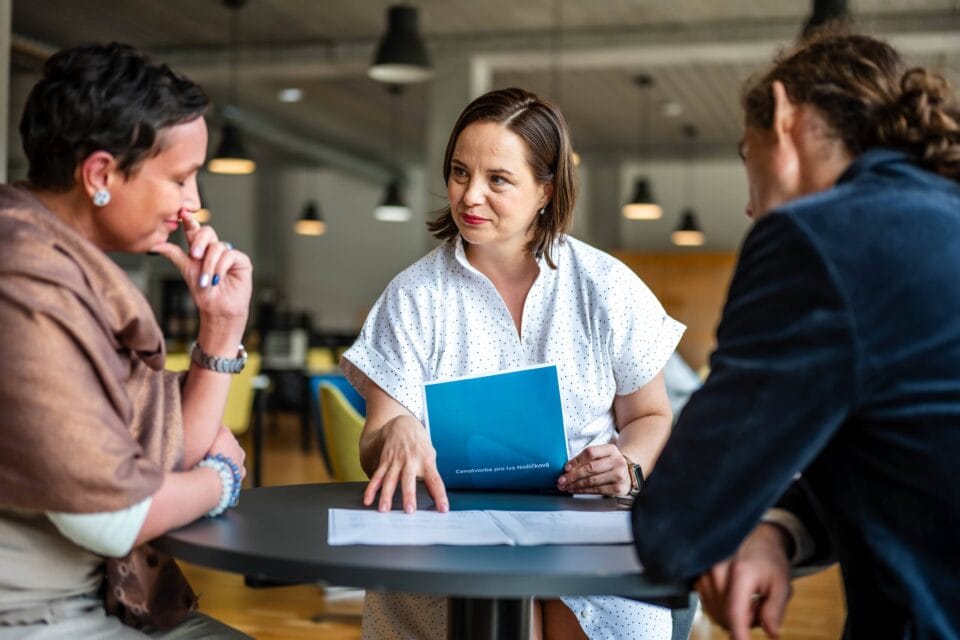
663,44
268,131
261,127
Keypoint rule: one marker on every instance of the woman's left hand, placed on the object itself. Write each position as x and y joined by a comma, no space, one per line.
219,277
226,443
598,469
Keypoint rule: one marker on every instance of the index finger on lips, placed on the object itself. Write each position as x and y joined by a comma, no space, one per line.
190,223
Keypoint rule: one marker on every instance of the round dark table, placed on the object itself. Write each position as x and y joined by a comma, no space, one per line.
280,533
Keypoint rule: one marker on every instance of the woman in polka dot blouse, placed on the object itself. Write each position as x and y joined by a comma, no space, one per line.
507,288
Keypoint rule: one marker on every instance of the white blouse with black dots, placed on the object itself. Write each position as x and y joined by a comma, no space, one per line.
591,316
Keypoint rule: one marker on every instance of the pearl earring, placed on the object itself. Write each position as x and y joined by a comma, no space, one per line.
543,210
101,197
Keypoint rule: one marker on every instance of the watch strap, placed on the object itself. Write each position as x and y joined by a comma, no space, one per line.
217,363
636,476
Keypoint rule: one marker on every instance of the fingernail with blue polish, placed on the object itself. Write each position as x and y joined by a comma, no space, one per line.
216,279
204,280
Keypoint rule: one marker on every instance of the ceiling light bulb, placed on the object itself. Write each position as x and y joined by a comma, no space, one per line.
290,94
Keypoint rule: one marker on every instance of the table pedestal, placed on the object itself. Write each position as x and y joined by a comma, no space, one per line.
489,618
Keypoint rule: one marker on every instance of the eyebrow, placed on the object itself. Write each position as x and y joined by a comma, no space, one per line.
454,161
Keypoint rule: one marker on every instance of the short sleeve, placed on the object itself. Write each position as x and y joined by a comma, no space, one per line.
642,336
395,345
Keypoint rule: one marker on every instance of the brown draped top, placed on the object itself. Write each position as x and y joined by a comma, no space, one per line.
89,420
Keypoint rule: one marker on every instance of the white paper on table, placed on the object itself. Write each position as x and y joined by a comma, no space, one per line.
363,526
565,527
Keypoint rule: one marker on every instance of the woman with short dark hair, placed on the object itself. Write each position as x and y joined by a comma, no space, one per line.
506,289
103,450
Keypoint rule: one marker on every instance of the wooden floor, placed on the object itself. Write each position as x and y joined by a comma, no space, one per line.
816,610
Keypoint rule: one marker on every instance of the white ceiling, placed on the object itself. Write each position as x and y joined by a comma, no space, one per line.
584,53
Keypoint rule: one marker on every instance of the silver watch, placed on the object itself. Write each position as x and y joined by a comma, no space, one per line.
216,363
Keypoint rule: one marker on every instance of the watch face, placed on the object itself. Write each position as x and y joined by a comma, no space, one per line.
637,476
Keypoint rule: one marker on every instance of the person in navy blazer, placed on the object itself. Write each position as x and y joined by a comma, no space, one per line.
835,385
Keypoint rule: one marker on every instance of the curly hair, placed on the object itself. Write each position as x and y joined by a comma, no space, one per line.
542,128
861,88
108,97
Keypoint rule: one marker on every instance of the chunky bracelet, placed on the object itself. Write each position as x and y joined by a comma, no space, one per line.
216,363
230,482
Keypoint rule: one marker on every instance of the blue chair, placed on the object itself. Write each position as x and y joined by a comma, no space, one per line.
354,398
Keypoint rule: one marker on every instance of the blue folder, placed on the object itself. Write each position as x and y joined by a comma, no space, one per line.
502,431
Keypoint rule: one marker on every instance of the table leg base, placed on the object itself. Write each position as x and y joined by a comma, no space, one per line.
489,618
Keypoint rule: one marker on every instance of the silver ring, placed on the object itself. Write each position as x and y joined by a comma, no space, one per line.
226,244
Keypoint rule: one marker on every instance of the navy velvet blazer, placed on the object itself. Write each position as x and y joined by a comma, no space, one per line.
839,357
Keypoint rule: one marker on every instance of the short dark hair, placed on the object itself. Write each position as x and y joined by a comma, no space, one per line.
108,97
860,86
542,127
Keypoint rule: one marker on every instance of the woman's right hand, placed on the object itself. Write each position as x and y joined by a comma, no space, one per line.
405,455
218,276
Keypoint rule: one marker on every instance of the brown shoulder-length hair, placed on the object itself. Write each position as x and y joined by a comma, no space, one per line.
861,88
542,127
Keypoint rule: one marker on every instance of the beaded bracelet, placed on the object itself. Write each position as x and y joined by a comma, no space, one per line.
230,482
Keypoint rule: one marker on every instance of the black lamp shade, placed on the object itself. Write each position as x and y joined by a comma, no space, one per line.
688,233
643,206
231,156
392,209
311,221
401,56
823,12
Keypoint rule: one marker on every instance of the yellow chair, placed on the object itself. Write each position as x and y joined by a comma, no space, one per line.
341,426
236,415
320,360
177,361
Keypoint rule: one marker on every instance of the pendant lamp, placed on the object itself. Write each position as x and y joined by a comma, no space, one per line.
311,222
392,208
643,205
688,233
401,55
823,12
232,157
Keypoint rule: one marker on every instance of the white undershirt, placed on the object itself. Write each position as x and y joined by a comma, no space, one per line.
106,533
